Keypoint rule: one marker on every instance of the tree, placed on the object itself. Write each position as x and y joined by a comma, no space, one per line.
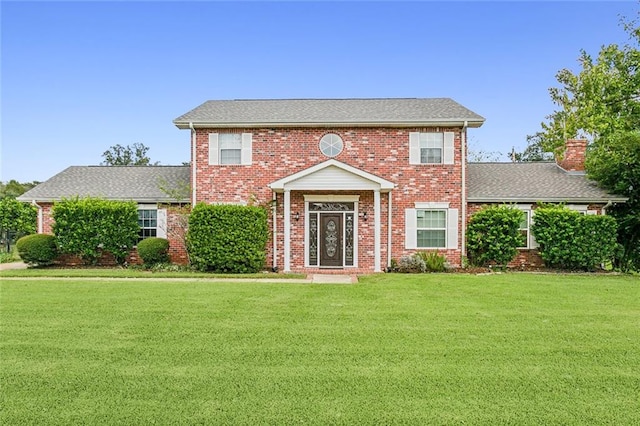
602,103
135,155
533,152
14,189
615,163
16,219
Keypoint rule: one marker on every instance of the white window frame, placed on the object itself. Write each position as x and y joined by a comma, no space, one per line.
215,151
443,229
451,231
161,221
416,142
530,212
527,228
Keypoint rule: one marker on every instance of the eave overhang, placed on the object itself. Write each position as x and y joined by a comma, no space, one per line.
328,124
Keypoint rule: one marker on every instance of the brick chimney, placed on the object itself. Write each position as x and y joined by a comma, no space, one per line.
574,154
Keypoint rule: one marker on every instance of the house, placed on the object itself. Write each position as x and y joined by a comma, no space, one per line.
351,183
151,187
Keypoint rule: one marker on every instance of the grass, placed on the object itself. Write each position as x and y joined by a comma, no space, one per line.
394,349
130,273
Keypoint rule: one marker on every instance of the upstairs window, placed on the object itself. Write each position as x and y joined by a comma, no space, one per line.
431,148
230,148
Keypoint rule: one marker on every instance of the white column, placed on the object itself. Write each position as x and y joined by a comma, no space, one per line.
287,230
376,231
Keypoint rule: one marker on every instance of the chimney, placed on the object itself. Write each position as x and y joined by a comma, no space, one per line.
574,154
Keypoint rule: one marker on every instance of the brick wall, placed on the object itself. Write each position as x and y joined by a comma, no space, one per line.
384,152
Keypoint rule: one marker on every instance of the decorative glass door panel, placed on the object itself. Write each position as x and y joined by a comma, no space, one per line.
331,235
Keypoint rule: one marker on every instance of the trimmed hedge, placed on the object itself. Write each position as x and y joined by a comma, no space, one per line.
153,250
37,249
493,235
569,240
87,226
227,238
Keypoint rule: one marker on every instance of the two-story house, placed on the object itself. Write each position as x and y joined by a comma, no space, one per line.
350,183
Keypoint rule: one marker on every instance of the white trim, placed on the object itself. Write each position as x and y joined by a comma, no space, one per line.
414,148
330,198
246,149
286,182
430,205
161,224
287,231
578,207
452,229
389,225
410,229
376,231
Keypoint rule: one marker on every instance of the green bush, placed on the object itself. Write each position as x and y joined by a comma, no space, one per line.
37,249
227,238
434,261
153,250
87,226
493,235
569,240
413,264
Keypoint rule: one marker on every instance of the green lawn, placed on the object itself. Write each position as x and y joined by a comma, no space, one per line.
393,349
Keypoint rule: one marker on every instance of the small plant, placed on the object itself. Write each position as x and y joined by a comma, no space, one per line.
413,264
37,249
434,261
153,250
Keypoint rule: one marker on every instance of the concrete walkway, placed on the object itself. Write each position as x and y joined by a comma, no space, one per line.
12,265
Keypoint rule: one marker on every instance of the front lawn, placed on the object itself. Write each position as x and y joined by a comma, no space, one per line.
393,349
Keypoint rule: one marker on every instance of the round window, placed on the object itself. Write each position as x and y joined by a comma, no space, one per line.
331,145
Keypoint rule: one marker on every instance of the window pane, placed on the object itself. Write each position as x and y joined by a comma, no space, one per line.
524,222
230,140
230,156
431,238
431,155
432,219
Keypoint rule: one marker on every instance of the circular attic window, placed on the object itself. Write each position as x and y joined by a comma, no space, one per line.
331,145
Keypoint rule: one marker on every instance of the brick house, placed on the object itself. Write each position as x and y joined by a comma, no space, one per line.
350,183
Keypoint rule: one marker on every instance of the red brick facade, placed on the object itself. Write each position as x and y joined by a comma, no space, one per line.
383,152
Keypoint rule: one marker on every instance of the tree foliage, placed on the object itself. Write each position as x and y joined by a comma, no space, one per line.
135,155
228,238
570,240
88,226
16,219
493,235
602,103
14,189
533,152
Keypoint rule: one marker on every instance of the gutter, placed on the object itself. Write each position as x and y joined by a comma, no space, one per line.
324,124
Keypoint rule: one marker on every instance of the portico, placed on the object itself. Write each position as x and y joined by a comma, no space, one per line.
333,214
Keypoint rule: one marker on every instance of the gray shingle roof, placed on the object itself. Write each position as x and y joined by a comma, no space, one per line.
138,183
322,112
531,182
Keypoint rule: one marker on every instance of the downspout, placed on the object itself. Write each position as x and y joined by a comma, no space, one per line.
275,232
193,164
40,216
463,205
606,206
389,233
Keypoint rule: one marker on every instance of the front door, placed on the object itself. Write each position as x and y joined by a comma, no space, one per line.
331,240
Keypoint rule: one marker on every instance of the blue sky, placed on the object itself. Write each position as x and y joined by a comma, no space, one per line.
79,77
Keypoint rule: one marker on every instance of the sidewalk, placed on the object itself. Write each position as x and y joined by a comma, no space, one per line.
12,265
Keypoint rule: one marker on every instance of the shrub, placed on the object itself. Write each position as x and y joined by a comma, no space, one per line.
434,261
569,240
227,238
86,226
413,264
493,235
37,249
154,250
